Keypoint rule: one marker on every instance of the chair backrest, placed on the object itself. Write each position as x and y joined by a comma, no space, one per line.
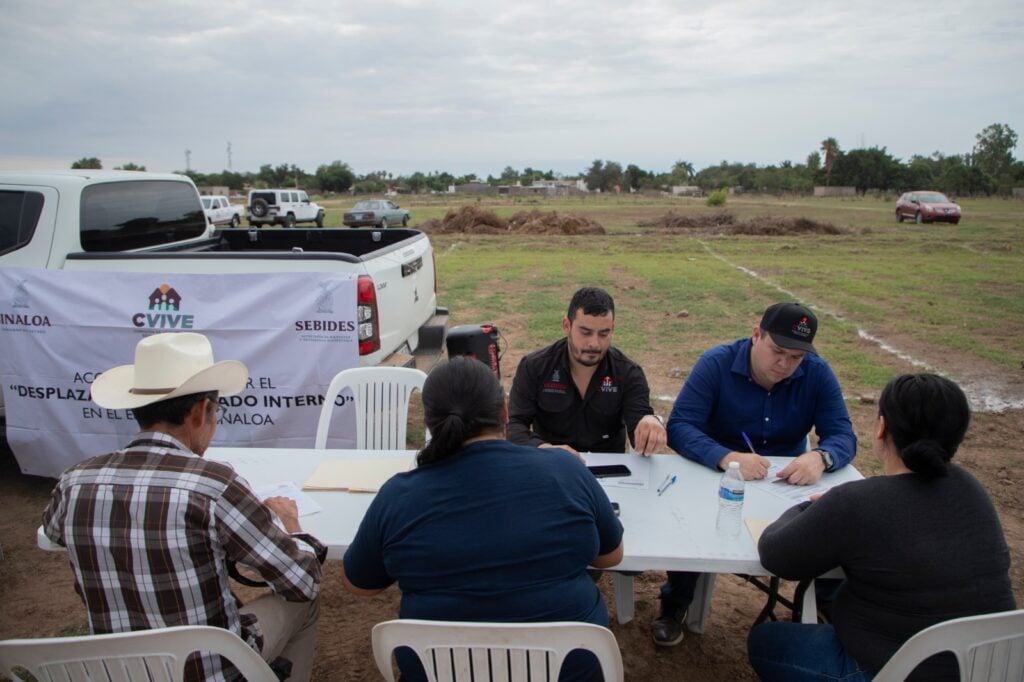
381,401
154,655
513,652
987,647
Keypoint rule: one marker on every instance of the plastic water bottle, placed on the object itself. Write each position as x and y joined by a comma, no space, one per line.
730,501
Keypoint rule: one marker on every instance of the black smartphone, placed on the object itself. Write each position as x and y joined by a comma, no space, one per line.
609,470
615,508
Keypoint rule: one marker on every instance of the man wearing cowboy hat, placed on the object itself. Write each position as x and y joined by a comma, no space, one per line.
151,528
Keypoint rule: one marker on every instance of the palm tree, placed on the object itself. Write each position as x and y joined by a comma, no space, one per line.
831,148
682,170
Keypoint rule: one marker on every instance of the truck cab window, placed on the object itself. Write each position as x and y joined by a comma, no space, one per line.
131,215
19,213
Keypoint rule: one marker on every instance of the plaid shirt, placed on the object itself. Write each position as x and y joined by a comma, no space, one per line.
149,531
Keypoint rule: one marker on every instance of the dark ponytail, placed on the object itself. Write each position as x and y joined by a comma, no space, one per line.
461,400
926,416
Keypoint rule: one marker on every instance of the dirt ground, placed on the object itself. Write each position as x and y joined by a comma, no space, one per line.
38,598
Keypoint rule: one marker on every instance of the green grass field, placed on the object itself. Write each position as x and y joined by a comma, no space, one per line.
950,296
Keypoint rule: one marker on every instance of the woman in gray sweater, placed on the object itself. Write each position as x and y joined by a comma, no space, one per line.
920,545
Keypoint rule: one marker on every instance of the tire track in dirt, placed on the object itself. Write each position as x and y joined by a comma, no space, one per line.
984,394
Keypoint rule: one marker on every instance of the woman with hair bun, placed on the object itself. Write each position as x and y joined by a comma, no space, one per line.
484,530
920,545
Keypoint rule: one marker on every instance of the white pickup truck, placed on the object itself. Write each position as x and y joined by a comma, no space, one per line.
142,222
221,211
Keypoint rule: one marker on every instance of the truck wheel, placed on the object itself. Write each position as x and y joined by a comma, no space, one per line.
899,217
259,208
289,220
405,221
918,218
320,219
235,222
383,223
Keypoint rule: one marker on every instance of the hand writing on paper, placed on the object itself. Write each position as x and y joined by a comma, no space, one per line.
287,511
752,466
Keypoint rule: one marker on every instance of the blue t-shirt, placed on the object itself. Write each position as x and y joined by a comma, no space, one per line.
720,401
497,532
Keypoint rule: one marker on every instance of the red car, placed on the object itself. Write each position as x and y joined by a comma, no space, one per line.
927,207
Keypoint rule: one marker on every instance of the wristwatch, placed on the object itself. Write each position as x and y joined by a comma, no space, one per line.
826,457
660,419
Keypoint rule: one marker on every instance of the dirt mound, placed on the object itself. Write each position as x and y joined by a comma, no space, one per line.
772,226
726,223
467,219
472,219
540,222
691,221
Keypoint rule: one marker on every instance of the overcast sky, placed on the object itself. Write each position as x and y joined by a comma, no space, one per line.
407,85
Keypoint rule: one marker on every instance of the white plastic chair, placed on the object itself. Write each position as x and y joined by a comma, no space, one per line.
381,402
989,647
152,655
513,652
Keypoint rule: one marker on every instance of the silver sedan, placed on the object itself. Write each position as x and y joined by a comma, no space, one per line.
376,213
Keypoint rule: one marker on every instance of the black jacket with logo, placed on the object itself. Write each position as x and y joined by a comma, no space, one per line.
545,407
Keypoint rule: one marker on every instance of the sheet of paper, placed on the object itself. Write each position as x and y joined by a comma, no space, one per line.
356,475
639,469
756,527
781,488
306,504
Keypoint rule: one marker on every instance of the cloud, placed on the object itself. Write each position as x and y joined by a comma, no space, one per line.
474,86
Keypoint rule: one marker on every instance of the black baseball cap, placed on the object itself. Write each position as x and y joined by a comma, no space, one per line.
791,325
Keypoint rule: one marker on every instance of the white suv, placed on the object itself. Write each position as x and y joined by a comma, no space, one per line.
282,206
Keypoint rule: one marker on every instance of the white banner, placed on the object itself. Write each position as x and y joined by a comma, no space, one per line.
60,329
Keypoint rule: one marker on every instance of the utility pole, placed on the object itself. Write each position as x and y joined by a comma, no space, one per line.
229,156
188,159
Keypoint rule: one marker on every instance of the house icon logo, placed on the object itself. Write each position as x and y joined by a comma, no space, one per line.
164,297
164,307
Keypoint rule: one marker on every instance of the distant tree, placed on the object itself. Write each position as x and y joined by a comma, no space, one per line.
283,175
373,186
509,176
417,182
830,148
439,181
866,169
682,172
130,167
920,172
335,177
594,176
993,152
636,177
87,162
814,162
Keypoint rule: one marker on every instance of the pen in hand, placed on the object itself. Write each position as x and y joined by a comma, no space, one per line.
669,480
749,444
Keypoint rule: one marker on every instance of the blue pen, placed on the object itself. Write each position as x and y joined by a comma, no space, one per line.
749,444
666,484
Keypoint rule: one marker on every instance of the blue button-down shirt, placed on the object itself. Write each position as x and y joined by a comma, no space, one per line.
720,401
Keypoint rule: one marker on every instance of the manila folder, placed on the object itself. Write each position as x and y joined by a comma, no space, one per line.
356,475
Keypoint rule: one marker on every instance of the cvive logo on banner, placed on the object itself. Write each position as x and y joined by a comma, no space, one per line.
165,306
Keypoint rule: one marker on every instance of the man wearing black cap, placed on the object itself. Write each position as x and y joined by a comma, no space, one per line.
772,389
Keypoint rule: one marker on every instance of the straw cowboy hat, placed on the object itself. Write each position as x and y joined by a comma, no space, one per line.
168,366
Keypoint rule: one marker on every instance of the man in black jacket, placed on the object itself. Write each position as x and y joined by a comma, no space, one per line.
580,393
